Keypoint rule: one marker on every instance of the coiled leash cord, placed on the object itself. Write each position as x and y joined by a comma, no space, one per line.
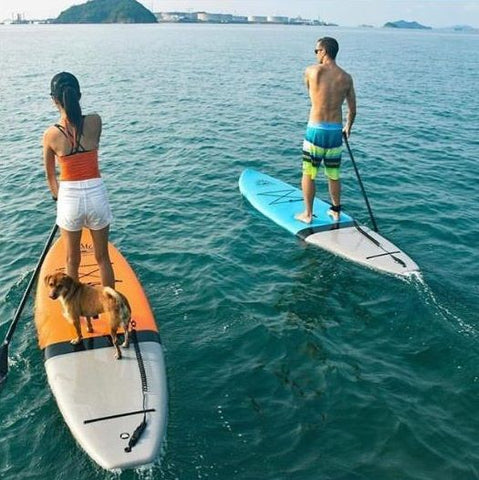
144,387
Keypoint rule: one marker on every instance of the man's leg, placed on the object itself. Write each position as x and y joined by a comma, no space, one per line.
309,189
335,194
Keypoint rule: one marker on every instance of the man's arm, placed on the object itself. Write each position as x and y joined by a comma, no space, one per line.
351,101
306,78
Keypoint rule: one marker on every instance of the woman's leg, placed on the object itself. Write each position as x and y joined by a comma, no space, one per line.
72,245
100,243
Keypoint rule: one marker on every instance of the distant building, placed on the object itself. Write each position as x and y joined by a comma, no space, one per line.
257,19
19,19
276,19
299,21
206,17
176,17
239,19
214,17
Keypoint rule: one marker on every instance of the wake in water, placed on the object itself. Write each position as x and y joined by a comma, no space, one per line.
425,291
145,472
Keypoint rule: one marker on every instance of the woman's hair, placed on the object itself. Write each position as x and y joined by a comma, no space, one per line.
65,88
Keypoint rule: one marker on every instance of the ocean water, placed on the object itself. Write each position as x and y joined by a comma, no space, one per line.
283,361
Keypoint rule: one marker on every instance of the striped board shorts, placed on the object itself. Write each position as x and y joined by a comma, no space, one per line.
323,144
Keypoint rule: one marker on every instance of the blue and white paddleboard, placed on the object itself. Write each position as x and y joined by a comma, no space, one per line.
280,202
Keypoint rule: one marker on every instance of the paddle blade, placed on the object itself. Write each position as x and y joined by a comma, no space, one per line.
3,362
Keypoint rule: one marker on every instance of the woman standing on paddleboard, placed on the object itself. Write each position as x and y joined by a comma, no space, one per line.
81,195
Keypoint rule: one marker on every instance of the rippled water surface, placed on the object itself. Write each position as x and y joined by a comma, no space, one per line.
283,361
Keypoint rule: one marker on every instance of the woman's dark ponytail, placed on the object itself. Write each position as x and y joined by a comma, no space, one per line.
71,104
65,88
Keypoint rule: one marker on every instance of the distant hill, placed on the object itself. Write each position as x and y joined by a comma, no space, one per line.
464,28
404,24
107,11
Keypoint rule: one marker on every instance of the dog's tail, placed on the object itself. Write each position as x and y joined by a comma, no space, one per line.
119,303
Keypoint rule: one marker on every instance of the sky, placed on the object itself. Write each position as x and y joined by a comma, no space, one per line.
433,13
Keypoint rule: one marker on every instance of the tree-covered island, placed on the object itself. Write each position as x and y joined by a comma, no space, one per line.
404,24
107,11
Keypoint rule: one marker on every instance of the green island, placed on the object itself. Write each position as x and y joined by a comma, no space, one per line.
107,11
404,24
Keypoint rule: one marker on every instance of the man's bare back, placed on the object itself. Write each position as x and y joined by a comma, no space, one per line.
329,86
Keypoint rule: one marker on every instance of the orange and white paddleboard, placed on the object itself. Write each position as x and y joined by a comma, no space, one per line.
115,409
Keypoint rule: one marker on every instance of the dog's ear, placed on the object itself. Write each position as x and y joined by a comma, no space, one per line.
46,279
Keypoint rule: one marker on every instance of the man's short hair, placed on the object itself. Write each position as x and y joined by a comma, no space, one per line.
330,45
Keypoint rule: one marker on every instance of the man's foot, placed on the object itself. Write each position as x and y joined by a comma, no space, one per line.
304,217
334,212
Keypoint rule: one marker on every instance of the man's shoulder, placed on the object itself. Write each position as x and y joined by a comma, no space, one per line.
314,69
344,72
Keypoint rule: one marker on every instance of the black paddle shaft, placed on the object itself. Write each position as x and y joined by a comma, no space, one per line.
375,227
13,325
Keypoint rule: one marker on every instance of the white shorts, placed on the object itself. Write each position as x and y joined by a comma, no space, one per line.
83,203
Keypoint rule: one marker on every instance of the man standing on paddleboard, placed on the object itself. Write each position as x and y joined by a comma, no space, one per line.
328,86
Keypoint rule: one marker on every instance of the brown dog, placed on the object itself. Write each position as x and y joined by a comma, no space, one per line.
79,299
